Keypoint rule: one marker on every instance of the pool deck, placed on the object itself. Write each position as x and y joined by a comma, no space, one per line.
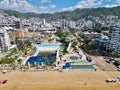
47,49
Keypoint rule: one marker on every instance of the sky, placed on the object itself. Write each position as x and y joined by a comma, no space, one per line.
51,6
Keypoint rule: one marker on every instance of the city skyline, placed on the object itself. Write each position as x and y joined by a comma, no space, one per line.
59,44
51,6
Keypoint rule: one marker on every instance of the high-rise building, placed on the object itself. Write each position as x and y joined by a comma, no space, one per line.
4,40
113,43
18,25
62,24
72,24
44,22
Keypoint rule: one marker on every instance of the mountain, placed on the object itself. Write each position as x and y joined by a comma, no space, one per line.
72,15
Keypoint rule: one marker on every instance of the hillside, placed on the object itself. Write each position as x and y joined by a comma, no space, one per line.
73,15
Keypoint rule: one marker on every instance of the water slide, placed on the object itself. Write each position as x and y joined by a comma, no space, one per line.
57,56
25,59
36,53
81,53
69,46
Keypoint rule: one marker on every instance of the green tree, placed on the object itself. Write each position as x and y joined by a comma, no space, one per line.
60,33
74,45
19,61
25,52
80,40
7,60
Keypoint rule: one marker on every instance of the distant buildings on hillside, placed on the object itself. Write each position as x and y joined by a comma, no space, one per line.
14,27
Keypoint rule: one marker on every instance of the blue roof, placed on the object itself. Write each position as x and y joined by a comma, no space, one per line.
101,40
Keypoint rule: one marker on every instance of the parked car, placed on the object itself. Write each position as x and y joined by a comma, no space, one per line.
110,80
119,69
108,61
4,71
3,81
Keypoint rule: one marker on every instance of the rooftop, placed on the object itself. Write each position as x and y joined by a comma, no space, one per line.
80,62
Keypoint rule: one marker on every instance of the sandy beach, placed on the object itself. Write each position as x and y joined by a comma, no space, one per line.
52,80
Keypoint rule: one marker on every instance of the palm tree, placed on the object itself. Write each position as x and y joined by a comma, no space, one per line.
38,59
19,61
45,60
52,60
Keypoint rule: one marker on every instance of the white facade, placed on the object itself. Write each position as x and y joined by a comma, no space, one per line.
114,39
72,24
44,22
48,30
4,40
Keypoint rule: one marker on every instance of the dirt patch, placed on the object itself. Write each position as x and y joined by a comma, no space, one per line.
102,64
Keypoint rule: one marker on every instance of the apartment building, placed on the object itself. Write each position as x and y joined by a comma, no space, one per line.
114,39
4,40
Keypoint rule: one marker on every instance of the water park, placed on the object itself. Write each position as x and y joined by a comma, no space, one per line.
48,54
45,54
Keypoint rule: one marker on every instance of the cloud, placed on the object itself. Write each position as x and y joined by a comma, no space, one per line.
108,0
84,4
24,6
43,8
91,4
52,6
68,9
45,1
110,6
118,1
19,5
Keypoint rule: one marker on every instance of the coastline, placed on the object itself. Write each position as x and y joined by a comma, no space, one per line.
53,80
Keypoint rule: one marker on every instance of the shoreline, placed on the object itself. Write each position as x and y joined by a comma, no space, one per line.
54,80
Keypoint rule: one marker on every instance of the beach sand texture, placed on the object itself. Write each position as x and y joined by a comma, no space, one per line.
52,80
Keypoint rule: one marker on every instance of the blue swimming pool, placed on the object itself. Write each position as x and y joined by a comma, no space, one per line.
46,59
48,46
42,56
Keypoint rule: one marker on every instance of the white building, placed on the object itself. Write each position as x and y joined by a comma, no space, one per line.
48,30
71,24
4,40
44,22
114,39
